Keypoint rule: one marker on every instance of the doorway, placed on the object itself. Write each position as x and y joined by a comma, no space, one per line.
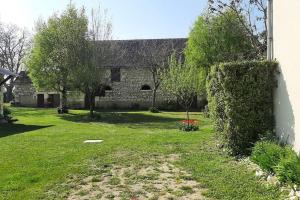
40,100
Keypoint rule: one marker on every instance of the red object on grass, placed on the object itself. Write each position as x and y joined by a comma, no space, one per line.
191,122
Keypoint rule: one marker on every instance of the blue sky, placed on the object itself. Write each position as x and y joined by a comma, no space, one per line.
132,19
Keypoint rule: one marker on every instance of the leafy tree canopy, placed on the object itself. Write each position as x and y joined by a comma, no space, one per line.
59,46
217,38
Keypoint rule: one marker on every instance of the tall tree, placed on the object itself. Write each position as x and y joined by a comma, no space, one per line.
217,38
252,14
14,44
182,81
59,50
155,56
92,78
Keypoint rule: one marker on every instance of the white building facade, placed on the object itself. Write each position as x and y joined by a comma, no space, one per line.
286,26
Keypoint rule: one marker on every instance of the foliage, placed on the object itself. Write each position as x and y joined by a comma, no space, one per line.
255,13
92,78
7,115
267,155
288,168
59,47
182,81
281,160
189,125
153,110
240,96
215,39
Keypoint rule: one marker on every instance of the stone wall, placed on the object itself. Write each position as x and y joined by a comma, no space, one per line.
128,93
25,94
124,94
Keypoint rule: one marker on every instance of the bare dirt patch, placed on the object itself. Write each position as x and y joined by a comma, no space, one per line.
151,180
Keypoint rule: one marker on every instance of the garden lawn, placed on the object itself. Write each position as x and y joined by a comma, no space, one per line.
43,151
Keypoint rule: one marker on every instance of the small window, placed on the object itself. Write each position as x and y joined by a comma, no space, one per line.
146,87
115,75
107,88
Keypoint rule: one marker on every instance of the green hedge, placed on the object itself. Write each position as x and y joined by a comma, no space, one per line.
240,99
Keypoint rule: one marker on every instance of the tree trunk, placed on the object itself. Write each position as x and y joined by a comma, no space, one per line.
63,102
92,104
154,98
9,93
188,116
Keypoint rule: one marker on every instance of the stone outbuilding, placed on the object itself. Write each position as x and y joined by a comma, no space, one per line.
128,84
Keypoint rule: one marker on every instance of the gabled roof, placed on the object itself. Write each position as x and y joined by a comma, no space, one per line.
144,52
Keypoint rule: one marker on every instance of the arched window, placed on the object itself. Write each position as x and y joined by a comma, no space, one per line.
146,87
107,88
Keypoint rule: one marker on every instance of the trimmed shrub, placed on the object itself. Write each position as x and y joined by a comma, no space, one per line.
240,99
267,155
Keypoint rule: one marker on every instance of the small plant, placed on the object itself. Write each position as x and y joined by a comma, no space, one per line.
63,110
189,125
267,155
153,110
6,111
288,168
7,115
281,160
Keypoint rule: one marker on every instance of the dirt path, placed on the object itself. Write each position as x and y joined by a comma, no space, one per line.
159,180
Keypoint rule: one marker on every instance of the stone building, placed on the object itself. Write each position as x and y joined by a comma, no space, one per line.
128,81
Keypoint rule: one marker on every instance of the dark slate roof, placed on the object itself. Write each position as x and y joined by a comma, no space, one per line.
134,53
144,52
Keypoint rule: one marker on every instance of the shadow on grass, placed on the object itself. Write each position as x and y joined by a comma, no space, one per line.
13,129
132,120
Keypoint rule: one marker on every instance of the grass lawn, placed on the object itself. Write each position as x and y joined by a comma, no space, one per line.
43,155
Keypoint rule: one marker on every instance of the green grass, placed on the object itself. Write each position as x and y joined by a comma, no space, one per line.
44,150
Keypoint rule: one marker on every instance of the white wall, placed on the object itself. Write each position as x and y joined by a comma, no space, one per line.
287,53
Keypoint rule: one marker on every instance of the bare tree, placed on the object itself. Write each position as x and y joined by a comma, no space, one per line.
92,77
14,43
155,55
255,13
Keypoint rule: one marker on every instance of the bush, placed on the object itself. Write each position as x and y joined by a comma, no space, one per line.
267,155
240,96
7,115
281,160
6,111
189,125
288,169
153,110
